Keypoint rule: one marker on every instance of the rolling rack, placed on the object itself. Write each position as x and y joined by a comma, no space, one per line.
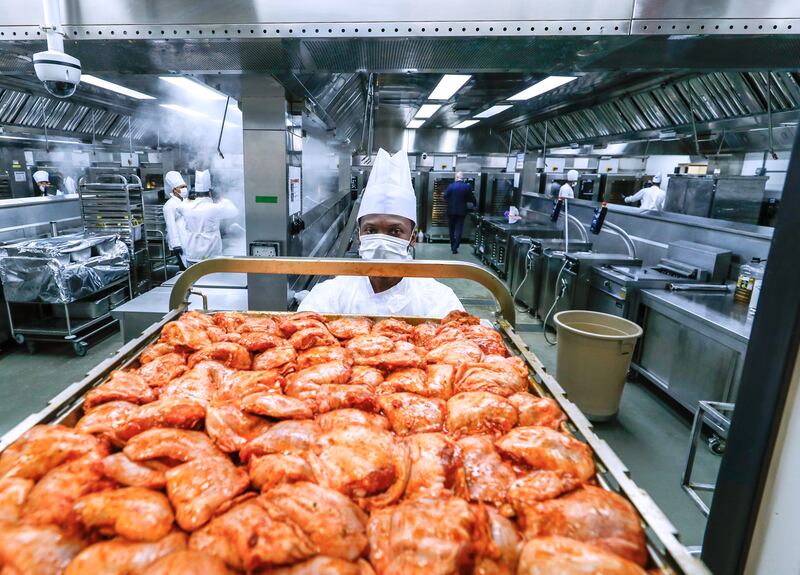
163,264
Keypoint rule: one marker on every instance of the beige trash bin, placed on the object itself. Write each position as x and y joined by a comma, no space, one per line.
594,354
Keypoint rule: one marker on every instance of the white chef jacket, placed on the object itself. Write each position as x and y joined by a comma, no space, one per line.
652,198
176,226
566,192
423,297
203,217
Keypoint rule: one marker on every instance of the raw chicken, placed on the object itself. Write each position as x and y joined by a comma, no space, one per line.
121,386
412,413
35,550
168,412
490,341
122,557
196,318
423,333
330,520
460,318
131,473
444,334
541,411
440,380
260,340
501,378
592,515
312,337
163,369
283,437
331,372
323,354
564,556
363,375
268,471
181,333
132,512
393,360
349,327
543,448
475,412
276,406
339,418
105,419
332,397
244,323
227,353
188,562
280,358
484,477
238,384
199,487
455,352
177,445
503,558
322,565
411,379
229,320
155,350
300,321
197,384
44,447
540,485
369,345
230,427
394,329
434,465
13,493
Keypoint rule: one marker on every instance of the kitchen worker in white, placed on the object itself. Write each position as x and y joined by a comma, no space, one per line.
651,196
43,187
386,226
176,226
203,217
567,190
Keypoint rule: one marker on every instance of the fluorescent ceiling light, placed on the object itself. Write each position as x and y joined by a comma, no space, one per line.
183,110
106,85
448,85
198,89
465,124
539,88
427,110
493,111
414,124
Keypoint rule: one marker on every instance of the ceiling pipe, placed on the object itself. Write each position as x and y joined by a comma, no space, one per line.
52,25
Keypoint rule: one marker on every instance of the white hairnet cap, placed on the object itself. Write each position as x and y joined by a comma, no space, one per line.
657,179
572,176
389,189
172,180
202,181
41,176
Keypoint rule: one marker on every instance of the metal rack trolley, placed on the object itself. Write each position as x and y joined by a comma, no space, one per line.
155,229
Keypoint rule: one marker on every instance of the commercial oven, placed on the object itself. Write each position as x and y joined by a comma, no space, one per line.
436,227
614,188
734,198
496,239
497,193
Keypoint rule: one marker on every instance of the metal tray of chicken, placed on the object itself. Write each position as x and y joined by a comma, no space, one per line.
666,554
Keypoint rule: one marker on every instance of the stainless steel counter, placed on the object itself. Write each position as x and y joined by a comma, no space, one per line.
220,280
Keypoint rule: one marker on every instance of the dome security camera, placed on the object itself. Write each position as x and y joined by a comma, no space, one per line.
59,72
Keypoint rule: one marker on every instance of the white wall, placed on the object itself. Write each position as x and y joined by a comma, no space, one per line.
776,170
665,165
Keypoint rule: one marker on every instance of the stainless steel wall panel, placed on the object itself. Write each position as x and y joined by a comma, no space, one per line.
710,9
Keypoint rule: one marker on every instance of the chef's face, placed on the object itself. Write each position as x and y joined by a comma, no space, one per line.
395,226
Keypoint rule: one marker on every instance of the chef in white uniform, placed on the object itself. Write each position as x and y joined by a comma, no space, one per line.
203,217
43,186
386,224
567,190
652,197
176,226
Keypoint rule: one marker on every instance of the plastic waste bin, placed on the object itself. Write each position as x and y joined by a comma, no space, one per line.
594,353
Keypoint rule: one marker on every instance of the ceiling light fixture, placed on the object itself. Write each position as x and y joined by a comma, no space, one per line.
414,124
465,124
494,110
539,88
198,89
426,111
106,85
183,110
448,85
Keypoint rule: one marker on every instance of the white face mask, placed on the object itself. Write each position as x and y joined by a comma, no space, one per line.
383,247
184,192
43,188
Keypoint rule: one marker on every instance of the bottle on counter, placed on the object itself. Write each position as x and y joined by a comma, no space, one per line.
758,275
748,275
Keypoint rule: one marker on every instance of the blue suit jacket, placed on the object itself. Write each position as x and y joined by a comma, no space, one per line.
457,195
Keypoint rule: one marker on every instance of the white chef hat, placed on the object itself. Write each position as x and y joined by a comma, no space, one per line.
657,179
202,181
41,176
389,189
172,180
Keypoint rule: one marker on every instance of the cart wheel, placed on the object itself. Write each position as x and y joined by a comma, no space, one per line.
716,444
31,347
80,348
19,338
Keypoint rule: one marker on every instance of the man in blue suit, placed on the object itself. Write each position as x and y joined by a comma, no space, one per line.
458,196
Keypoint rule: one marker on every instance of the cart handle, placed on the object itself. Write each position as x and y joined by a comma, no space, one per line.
345,267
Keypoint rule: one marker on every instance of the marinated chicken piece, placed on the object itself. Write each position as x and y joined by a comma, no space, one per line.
163,369
121,557
301,321
426,536
105,419
564,556
434,465
334,372
455,352
229,320
282,359
180,333
439,382
412,413
312,337
444,334
121,386
363,375
135,513
369,345
177,445
423,333
329,519
276,406
168,412
323,354
284,437
490,341
13,493
392,360
51,500
592,515
197,318
230,427
44,447
541,411
238,384
540,485
349,327
199,487
322,565
125,471
260,340
475,412
503,559
543,448
197,384
35,550
268,471
412,380
333,397
346,417
155,350
259,322
188,562
394,329
227,353
484,477
252,535
369,465
217,334
501,378
460,318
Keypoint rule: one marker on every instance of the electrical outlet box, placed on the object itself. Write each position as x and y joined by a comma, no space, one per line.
264,249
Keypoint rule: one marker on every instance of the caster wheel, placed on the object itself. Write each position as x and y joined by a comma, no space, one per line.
31,347
716,444
19,338
80,348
